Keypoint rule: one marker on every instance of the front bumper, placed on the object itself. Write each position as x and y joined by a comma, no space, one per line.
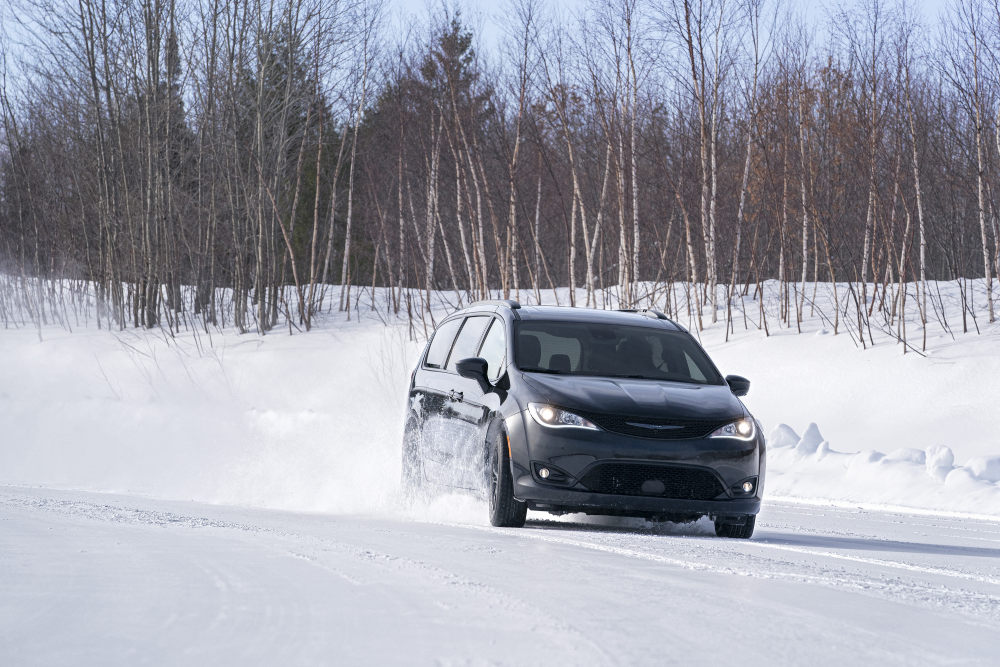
575,451
549,499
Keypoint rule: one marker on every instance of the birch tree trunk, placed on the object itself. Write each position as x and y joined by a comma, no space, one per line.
350,178
920,203
805,208
980,170
632,97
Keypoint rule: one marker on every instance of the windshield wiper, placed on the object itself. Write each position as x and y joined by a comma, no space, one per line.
659,379
612,375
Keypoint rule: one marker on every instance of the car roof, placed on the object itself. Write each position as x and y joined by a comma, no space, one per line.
575,314
592,315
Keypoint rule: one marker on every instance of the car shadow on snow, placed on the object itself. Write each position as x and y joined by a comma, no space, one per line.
817,541
576,523
612,524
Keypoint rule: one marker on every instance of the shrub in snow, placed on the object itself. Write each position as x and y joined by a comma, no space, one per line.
940,461
810,441
917,456
985,468
782,436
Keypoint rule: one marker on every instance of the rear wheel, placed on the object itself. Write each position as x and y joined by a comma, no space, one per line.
505,510
413,465
741,531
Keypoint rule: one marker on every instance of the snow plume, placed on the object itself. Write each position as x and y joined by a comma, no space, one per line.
807,468
307,422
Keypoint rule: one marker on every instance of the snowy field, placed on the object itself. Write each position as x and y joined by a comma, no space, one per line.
314,421
216,498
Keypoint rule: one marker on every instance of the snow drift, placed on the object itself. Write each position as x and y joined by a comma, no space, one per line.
808,468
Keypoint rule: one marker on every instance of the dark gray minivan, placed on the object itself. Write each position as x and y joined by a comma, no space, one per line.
567,410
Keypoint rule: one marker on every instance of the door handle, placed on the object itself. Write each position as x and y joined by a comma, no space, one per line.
456,395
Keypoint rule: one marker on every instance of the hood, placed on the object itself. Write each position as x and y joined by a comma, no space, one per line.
639,398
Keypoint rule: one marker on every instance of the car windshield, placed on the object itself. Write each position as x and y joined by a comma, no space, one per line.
608,350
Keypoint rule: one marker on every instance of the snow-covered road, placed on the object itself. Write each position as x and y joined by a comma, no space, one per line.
99,579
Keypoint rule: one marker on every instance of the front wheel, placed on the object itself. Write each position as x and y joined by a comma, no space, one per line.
505,510
741,531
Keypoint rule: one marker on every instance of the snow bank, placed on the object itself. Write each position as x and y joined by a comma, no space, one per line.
799,468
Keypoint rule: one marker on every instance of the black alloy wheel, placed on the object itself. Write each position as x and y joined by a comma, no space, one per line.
413,465
505,510
735,530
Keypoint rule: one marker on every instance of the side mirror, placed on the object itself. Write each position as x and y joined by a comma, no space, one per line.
475,368
739,385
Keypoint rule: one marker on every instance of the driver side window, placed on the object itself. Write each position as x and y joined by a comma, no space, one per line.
494,350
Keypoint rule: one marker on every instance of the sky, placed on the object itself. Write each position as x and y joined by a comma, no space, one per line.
488,11
485,15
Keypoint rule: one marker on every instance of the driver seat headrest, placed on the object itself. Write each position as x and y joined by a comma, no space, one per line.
529,350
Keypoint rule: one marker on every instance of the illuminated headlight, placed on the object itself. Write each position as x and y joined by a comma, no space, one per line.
546,415
741,430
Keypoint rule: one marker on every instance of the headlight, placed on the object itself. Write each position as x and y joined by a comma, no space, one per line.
742,429
546,415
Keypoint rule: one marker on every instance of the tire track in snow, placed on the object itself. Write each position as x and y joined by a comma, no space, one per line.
985,529
876,561
963,601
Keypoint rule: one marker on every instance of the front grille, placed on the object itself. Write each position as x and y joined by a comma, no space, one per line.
664,481
680,429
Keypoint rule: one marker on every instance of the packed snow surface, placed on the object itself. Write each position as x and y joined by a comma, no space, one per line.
93,579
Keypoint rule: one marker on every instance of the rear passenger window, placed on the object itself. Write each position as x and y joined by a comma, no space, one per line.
441,344
468,340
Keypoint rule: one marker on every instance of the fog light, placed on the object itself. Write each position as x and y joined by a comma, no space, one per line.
544,473
747,487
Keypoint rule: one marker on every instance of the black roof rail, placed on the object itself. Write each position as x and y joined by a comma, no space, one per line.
647,312
655,315
510,303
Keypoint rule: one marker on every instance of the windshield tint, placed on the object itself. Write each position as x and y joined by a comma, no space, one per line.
581,348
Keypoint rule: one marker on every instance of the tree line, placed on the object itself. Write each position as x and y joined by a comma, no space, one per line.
271,158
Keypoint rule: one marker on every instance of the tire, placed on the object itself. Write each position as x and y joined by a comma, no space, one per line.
737,531
412,481
505,510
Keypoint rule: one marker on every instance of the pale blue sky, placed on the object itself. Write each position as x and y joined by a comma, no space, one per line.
487,10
